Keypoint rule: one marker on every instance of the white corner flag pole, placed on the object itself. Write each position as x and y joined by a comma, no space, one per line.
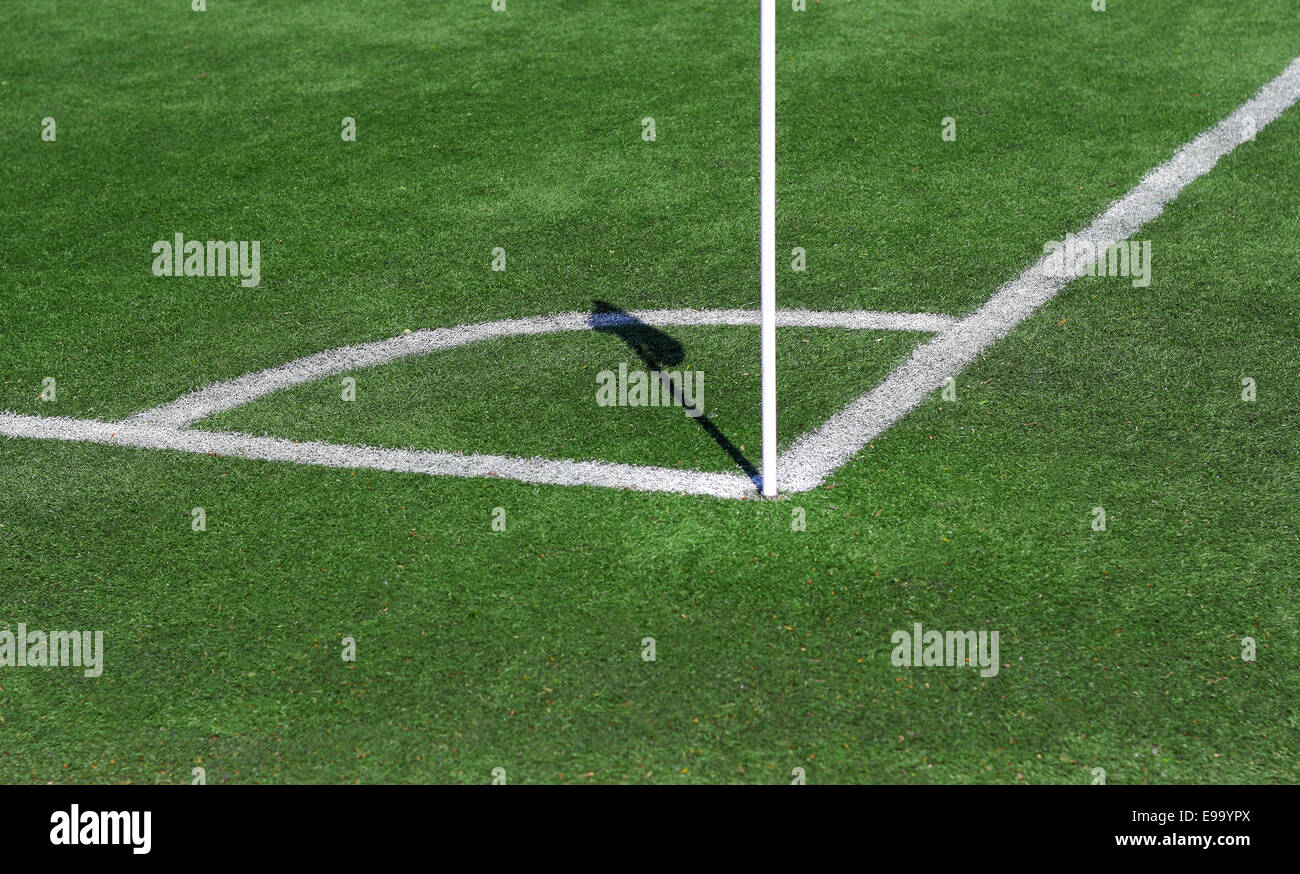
767,234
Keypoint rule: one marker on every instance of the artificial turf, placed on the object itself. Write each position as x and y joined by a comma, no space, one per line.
1121,649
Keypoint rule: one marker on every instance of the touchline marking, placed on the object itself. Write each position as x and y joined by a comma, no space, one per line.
812,457
805,465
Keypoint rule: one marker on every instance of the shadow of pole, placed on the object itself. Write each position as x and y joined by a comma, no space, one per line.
659,351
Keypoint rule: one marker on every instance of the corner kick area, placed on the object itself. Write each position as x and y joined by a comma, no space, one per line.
805,465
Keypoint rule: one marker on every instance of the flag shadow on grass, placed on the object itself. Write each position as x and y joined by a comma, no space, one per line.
659,352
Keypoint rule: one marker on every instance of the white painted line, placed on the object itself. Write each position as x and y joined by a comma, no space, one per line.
816,454
806,465
226,395
164,427
531,470
865,320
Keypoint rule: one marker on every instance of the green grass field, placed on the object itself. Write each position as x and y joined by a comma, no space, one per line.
522,649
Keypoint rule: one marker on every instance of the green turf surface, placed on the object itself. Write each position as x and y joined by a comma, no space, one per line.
521,649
